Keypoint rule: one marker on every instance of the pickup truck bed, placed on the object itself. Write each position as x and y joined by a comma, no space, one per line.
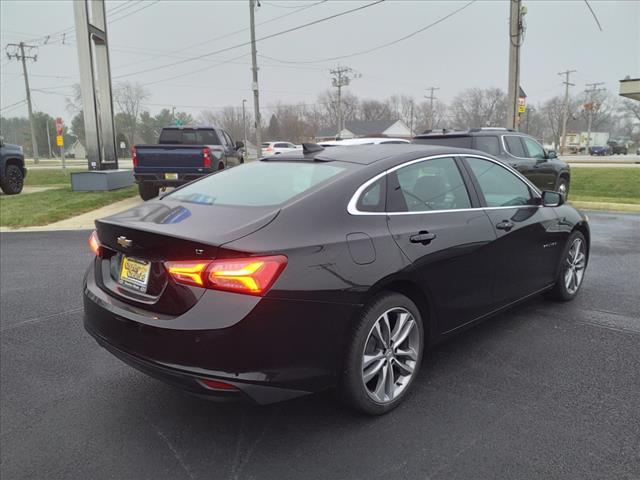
182,156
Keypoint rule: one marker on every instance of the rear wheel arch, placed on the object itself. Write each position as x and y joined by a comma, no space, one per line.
14,161
413,292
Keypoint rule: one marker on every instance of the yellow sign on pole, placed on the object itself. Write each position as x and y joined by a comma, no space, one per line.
522,106
59,141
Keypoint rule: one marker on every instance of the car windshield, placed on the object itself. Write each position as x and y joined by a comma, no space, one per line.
256,184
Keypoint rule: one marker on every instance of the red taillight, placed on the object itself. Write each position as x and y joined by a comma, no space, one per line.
206,157
134,156
216,384
188,272
94,244
269,148
252,275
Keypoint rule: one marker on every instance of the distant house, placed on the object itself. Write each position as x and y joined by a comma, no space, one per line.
76,150
374,128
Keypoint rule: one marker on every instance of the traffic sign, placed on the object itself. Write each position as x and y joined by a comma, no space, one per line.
60,141
59,126
522,105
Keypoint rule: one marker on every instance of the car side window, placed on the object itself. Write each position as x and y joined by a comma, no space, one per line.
281,145
514,146
534,148
500,187
487,144
373,197
434,184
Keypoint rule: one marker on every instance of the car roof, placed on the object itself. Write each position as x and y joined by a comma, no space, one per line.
368,154
472,132
362,141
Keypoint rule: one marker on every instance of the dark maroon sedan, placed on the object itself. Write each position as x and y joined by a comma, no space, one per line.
317,269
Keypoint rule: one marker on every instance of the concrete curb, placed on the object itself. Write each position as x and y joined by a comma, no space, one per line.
608,207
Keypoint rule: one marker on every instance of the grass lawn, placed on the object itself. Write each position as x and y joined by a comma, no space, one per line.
50,176
615,185
50,206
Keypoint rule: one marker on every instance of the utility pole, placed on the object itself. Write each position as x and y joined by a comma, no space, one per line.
18,54
254,85
565,108
589,105
244,126
516,29
341,77
49,140
431,98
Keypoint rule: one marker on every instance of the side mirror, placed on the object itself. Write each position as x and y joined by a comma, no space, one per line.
552,154
552,199
239,145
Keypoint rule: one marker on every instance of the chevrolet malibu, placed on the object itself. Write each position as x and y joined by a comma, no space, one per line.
325,268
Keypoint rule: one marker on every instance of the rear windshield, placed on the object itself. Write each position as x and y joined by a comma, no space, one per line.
189,136
459,142
256,184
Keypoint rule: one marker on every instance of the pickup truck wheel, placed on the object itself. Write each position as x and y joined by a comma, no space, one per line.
147,191
12,181
221,166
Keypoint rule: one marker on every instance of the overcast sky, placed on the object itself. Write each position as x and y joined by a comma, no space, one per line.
469,49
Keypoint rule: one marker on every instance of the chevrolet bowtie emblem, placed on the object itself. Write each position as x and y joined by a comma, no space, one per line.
124,242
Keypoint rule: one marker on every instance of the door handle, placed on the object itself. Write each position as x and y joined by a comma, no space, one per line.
422,237
504,225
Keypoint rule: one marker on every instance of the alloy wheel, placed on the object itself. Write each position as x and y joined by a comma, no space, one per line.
390,355
576,263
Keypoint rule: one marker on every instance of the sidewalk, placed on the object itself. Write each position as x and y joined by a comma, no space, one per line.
84,221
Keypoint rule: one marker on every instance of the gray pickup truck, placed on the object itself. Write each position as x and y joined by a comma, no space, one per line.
12,169
183,154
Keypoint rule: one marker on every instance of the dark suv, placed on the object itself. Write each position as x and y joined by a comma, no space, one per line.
521,151
12,169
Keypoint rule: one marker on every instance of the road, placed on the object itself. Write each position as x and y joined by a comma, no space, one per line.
545,391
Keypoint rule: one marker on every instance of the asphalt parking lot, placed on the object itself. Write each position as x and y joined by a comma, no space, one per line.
545,391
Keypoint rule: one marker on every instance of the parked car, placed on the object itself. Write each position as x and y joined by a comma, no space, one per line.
12,169
363,141
183,154
618,148
600,150
324,268
518,150
278,147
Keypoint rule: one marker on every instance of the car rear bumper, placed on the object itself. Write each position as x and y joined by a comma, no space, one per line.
159,180
269,350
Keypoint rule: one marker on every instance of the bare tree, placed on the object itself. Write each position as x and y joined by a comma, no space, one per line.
229,118
479,107
374,110
129,98
423,116
329,102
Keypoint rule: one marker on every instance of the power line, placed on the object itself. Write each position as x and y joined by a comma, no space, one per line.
594,14
13,104
244,44
220,37
384,45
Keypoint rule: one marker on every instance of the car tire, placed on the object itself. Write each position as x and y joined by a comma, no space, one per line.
376,395
148,191
12,180
563,187
220,166
572,266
